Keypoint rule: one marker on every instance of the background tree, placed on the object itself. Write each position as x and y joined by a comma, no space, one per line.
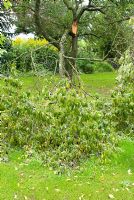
63,22
111,34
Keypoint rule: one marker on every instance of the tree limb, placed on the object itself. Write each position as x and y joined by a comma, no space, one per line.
39,26
89,7
66,2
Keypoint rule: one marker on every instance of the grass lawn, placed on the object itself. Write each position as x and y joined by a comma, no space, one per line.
101,83
31,181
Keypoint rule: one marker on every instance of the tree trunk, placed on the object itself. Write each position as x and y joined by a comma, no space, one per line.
68,52
74,54
70,58
62,54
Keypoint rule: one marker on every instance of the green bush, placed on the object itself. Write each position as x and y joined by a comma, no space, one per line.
90,67
85,66
31,54
63,127
102,67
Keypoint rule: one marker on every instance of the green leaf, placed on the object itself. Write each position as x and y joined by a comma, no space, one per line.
7,4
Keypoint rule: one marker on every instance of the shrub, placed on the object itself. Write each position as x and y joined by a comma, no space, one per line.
85,66
102,67
63,127
34,54
31,54
89,67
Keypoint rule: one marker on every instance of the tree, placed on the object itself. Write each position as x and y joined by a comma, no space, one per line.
58,21
111,33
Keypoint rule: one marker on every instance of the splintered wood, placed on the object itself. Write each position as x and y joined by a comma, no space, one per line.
74,27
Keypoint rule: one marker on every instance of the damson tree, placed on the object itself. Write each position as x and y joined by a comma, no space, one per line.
63,22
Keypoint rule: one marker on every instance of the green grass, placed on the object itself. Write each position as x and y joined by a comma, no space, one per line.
100,83
22,180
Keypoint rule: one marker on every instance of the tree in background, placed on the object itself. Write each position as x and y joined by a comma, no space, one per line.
111,34
63,22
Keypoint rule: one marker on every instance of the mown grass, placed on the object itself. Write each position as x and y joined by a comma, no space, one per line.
30,180
101,83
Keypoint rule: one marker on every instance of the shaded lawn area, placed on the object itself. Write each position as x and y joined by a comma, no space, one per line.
31,181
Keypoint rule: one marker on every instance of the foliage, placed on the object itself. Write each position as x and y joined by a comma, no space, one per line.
91,67
63,126
123,97
31,54
5,55
2,51
85,66
114,36
108,36
102,67
2,39
7,4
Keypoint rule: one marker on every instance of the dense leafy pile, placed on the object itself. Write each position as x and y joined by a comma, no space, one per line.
123,97
62,125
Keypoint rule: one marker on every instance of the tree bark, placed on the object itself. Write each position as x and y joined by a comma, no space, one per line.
74,47
62,53
74,50
71,68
